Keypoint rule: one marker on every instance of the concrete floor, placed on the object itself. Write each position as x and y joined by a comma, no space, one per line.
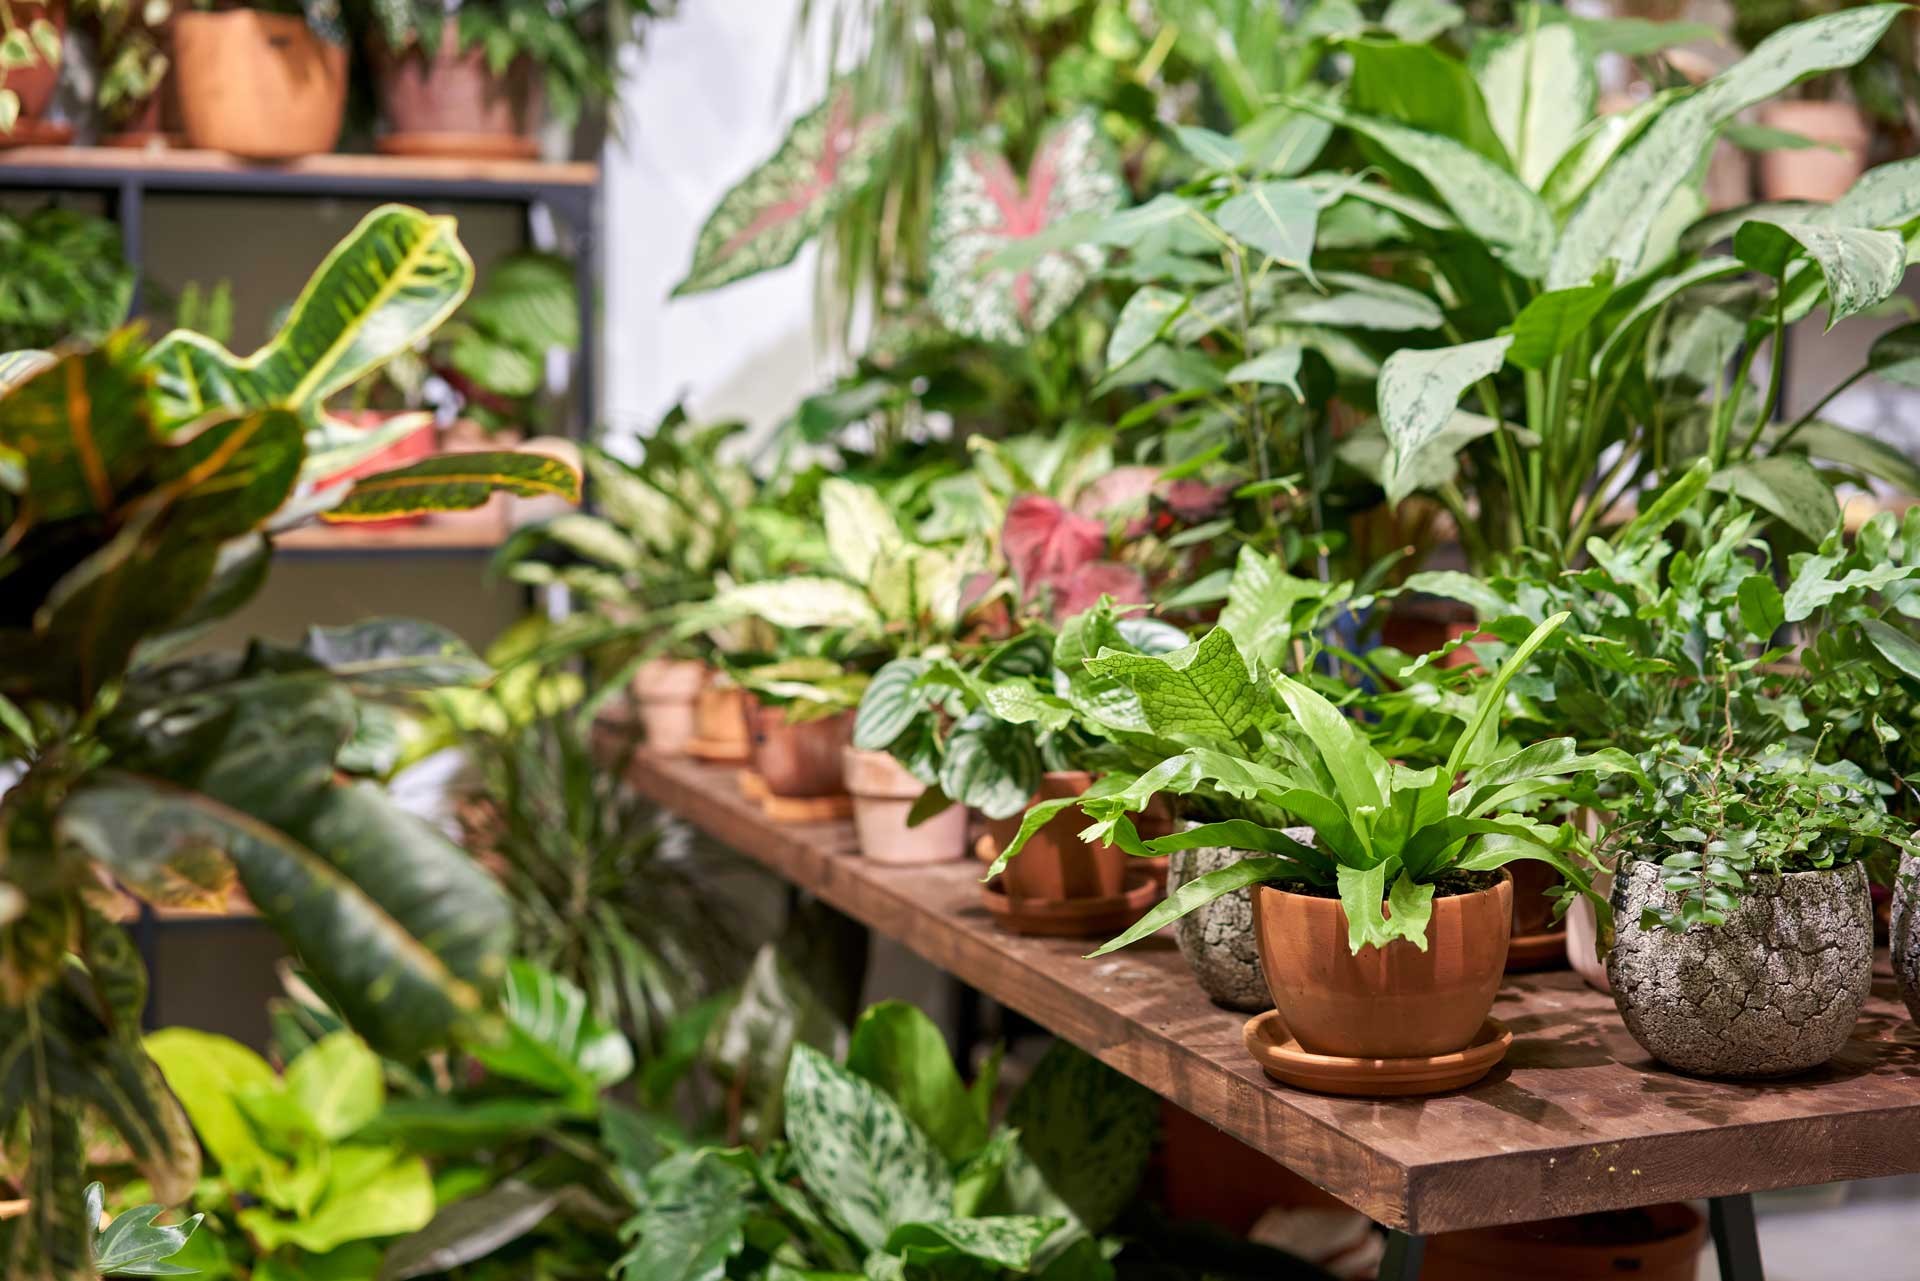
1861,1231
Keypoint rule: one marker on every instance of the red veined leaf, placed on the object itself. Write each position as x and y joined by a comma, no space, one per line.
761,223
1081,590
1044,541
981,208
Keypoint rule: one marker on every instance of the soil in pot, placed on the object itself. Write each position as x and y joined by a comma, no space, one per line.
1821,172
1774,991
798,758
1217,940
450,102
1655,1243
666,689
1903,932
259,85
35,85
1389,1002
884,794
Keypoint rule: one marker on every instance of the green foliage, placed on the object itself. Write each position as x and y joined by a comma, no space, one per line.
133,1245
61,277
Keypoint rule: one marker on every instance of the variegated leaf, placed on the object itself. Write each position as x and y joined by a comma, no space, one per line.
1006,1240
1419,389
455,482
1861,267
1086,1131
799,603
828,156
857,1151
982,208
1539,86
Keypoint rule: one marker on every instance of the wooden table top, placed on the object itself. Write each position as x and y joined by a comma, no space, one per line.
1578,1118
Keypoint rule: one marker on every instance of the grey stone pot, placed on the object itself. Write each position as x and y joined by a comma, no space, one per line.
1904,934
1217,940
1774,991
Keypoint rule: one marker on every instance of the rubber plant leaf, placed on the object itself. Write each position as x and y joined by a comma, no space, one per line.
391,282
828,156
982,208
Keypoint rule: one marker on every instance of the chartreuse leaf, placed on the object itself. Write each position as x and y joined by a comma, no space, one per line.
1539,88
338,1083
1861,267
1201,690
394,278
827,156
1087,1131
455,482
1468,748
899,1049
1616,218
370,1192
1419,390
858,1153
206,1072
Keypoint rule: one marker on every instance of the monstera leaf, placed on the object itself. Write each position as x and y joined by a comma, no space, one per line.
983,208
761,223
388,284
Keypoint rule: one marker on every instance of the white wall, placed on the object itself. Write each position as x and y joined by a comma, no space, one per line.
708,99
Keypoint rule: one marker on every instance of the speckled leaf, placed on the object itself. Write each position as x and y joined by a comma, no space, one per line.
859,526
1616,218
1539,88
1086,1130
1007,1241
800,603
856,1150
981,207
692,1220
1489,202
1201,690
1895,355
1861,267
1419,390
828,156
1887,196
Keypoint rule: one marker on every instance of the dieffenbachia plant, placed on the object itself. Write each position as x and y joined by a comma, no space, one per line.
128,532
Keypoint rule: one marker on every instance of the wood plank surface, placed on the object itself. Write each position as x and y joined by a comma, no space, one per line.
427,169
1577,1119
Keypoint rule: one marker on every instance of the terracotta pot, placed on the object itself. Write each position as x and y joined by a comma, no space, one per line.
451,103
720,719
259,85
1815,173
35,85
1416,626
1656,1243
1385,1003
884,793
1532,909
799,758
666,689
1056,864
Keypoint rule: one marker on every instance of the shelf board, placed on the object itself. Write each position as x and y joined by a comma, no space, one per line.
1577,1119
400,540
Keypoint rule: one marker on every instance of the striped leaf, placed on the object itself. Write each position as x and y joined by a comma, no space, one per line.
388,284
982,208
80,425
829,155
455,482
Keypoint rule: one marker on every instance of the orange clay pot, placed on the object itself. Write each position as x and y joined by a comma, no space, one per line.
259,85
666,689
798,758
720,720
1056,864
1393,1002
884,794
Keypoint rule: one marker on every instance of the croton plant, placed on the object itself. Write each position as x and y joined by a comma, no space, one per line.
141,488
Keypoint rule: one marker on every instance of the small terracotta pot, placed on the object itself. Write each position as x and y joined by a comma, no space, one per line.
884,793
666,689
1655,1243
451,103
259,85
1385,1003
720,720
35,85
1815,173
1056,864
995,835
799,758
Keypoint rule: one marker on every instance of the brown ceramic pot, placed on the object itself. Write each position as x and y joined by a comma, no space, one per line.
1387,1002
451,102
35,84
1656,1243
666,689
799,758
884,794
1819,172
720,720
1056,864
259,85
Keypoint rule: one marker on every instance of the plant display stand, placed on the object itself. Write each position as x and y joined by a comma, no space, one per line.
1577,1119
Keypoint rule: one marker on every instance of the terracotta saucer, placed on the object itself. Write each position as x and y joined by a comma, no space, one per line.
1281,1057
717,751
475,146
1074,918
36,133
795,809
145,140
1538,952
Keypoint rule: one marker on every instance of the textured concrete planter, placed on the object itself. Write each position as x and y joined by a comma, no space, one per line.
1774,991
1903,935
1218,940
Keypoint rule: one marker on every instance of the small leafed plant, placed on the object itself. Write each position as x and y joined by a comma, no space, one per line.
133,1245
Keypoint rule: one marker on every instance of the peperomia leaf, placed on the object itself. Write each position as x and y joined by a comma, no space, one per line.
982,208
827,156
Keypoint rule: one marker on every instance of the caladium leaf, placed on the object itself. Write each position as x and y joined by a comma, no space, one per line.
982,208
828,156
1044,541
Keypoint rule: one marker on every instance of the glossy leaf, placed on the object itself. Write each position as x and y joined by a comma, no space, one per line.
828,156
80,423
1419,389
1422,87
133,1245
981,208
470,1229
455,482
1004,1241
370,1192
1553,321
551,1039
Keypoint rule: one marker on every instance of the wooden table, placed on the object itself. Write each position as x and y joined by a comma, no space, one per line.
1577,1119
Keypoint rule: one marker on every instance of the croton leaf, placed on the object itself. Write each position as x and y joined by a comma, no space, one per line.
827,156
81,426
981,208
455,482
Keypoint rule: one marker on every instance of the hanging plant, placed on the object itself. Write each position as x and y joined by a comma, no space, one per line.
826,158
982,208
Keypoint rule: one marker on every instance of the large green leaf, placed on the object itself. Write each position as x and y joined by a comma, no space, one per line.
1275,218
386,654
1420,86
208,1072
1087,1130
1539,88
1419,390
1553,322
551,1039
1859,451
1786,486
471,1228
80,423
981,208
1861,267
1359,772
858,1153
829,155
1262,598
394,278
898,1048
1616,218
990,764
692,1220
1895,355
455,482
1201,691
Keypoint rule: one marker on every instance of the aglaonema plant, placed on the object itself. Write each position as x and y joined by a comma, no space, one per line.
141,489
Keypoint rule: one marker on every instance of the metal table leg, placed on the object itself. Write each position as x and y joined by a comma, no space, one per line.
1735,1240
1405,1253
